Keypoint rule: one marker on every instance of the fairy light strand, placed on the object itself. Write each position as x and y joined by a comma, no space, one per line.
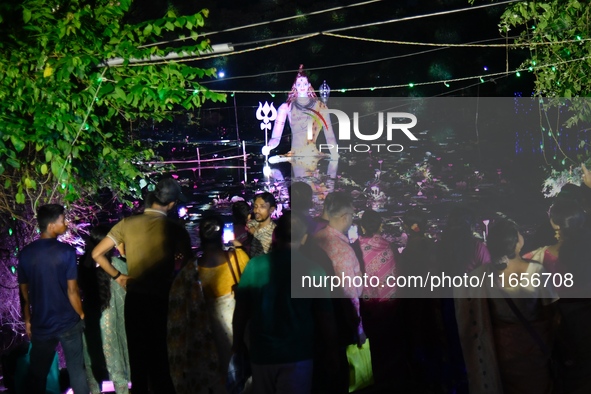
487,78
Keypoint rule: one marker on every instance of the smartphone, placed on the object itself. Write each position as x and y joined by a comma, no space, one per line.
228,233
353,233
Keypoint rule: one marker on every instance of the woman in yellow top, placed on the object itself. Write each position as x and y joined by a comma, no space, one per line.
219,271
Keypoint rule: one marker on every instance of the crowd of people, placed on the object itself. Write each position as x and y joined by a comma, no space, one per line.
237,319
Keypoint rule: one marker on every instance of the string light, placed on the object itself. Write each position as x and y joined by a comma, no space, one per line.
446,82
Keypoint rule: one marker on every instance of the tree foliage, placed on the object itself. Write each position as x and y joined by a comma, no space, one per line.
64,131
558,36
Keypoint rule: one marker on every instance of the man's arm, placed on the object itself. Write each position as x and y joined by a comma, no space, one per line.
98,254
74,297
26,307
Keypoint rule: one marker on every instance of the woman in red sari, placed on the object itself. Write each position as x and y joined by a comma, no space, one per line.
378,307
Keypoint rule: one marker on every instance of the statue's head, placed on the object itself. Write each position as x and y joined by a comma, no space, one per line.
301,86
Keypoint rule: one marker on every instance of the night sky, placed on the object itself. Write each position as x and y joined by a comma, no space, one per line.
401,64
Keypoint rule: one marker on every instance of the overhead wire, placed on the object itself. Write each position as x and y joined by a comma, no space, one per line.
468,45
290,39
267,22
191,58
407,85
414,17
338,65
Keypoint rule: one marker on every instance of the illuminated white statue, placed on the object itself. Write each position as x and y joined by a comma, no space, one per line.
302,106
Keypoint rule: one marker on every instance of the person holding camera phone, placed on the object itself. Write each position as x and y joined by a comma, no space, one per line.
219,271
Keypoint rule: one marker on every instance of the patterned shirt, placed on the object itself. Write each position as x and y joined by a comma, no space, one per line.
262,238
344,261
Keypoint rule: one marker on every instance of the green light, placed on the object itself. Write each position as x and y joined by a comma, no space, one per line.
343,90
542,146
533,62
411,85
549,134
63,185
232,95
518,73
372,89
563,161
554,157
10,232
531,68
481,80
272,94
195,92
86,126
13,269
578,37
99,79
553,68
446,84
533,27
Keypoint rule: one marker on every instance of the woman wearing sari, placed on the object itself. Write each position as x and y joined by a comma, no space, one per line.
219,271
505,331
378,307
571,255
107,297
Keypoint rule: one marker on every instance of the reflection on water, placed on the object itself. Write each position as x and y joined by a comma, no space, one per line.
431,177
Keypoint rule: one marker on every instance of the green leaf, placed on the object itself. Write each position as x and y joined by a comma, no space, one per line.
48,156
148,30
26,15
20,198
120,93
19,145
12,162
7,183
44,169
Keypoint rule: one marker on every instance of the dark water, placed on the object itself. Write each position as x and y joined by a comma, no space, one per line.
433,175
